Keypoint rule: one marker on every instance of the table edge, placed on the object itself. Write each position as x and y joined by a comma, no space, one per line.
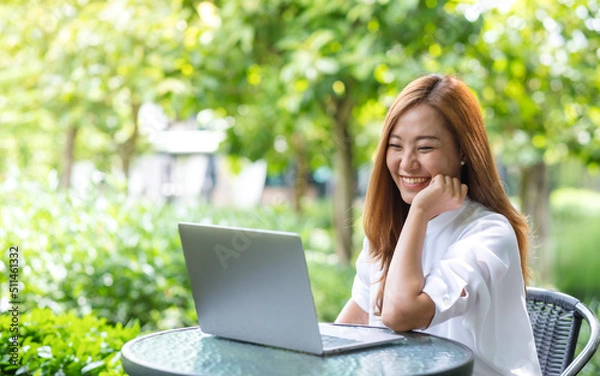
151,370
139,365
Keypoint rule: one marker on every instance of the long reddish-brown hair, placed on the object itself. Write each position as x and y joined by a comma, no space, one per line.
385,211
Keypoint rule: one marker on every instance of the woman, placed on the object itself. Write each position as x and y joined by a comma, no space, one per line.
445,251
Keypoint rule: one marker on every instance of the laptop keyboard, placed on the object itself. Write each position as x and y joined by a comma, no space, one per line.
332,341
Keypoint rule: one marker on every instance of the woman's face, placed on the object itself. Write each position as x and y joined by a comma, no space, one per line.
420,146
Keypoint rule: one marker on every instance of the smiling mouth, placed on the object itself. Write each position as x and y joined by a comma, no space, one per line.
414,181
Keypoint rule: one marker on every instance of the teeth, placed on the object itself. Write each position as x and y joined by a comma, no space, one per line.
412,181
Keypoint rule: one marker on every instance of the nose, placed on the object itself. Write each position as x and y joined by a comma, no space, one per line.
409,161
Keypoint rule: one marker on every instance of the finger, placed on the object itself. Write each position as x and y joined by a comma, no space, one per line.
464,190
456,186
449,185
438,180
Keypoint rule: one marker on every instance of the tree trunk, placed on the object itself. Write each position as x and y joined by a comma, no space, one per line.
68,158
535,197
344,182
301,172
127,148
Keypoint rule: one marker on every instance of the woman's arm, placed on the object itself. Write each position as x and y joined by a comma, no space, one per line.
405,305
352,314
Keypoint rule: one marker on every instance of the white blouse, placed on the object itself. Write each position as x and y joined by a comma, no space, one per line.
475,250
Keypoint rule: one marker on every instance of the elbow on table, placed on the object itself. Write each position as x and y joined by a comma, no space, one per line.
397,320
404,317
396,326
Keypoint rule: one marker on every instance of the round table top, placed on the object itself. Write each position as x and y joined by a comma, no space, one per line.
189,351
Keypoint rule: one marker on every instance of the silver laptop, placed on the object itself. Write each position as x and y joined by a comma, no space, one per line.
252,285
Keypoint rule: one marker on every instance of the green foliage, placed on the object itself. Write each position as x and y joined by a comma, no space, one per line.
304,84
593,367
575,239
297,66
331,284
529,64
573,203
86,67
121,258
118,258
576,220
64,344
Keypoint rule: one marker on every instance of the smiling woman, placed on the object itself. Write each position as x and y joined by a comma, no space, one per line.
445,251
420,146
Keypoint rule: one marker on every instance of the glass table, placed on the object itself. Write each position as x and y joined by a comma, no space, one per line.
189,351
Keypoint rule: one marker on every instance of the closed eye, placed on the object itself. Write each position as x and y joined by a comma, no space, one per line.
425,148
395,146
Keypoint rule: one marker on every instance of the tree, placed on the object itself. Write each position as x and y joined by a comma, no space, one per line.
89,68
537,63
308,82
21,107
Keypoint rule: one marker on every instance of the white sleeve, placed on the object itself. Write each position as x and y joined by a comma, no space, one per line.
485,264
362,280
463,281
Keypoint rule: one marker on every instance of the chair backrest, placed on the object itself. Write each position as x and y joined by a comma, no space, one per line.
556,321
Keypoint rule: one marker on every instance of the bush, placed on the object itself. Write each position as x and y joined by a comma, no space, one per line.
121,258
575,203
575,238
331,285
115,257
63,345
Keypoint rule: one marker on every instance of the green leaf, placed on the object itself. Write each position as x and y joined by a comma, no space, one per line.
92,366
45,352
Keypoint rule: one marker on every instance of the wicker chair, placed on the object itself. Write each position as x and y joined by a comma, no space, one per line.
556,320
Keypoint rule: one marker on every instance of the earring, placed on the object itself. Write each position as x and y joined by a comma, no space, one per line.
462,163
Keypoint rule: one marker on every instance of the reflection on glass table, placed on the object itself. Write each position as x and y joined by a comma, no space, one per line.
189,351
